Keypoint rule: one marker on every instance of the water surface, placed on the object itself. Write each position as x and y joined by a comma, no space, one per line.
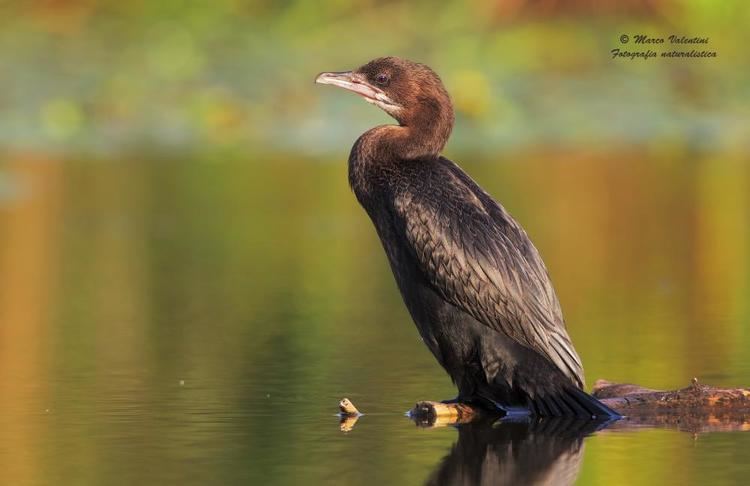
196,321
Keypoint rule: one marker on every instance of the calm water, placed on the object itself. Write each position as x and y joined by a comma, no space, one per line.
197,321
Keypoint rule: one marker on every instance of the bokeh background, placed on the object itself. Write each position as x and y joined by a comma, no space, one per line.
187,285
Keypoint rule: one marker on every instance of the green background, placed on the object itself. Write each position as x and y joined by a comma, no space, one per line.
188,287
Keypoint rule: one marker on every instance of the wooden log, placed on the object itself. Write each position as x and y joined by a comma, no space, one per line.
695,399
695,408
435,414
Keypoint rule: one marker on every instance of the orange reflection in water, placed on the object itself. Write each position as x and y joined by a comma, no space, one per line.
29,258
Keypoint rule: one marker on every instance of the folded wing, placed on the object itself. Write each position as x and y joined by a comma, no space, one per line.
479,259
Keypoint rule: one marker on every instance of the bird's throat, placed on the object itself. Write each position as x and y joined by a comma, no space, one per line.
408,142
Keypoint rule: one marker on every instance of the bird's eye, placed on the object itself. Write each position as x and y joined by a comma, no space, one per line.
381,79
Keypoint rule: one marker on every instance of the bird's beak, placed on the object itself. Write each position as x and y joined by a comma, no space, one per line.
356,82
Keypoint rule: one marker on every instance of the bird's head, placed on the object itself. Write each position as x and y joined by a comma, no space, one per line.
408,91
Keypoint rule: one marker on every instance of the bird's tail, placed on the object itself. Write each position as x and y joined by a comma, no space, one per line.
571,401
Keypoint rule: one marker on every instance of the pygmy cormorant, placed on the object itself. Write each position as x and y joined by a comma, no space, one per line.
473,282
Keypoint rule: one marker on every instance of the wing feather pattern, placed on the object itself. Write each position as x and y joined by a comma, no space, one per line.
480,260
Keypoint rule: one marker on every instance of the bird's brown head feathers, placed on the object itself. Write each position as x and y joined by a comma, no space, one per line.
410,92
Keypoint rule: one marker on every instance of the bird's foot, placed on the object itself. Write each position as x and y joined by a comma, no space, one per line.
514,413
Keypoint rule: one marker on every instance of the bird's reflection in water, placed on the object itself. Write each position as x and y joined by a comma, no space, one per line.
548,451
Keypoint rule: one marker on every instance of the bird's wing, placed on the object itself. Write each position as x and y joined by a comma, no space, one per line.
480,260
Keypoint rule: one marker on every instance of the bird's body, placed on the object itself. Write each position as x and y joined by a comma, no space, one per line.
471,279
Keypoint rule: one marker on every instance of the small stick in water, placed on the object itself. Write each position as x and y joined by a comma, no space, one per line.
349,415
347,408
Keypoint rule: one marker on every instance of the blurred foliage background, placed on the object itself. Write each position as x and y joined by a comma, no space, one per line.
104,77
187,284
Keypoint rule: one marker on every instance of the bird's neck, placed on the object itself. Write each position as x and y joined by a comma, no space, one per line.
422,135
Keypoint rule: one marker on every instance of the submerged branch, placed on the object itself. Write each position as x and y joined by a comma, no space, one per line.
696,408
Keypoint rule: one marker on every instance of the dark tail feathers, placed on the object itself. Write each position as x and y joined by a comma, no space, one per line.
571,402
